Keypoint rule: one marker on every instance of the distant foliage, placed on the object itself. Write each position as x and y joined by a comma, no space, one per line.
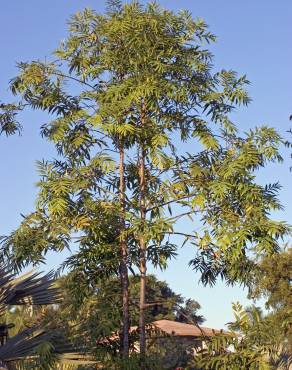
273,283
89,316
253,343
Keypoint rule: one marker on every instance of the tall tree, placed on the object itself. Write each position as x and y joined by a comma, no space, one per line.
145,142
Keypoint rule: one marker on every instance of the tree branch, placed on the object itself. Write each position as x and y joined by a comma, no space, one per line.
178,233
171,201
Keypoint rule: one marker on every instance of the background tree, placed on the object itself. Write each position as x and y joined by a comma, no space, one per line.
252,343
189,313
91,318
273,283
149,104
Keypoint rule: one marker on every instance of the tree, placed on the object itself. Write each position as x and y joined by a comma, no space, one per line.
252,343
95,314
92,319
145,142
188,314
273,282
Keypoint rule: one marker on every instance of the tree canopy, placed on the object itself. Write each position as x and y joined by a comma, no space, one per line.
254,342
141,123
273,283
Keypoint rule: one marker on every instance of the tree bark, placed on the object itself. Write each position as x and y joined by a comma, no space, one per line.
142,246
123,269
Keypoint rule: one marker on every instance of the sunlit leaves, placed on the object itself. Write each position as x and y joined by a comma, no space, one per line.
108,68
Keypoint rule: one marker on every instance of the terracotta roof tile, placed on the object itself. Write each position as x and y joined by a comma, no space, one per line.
181,329
169,327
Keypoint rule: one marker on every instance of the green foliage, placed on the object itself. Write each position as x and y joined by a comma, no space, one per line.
189,313
273,282
8,121
29,340
252,343
149,88
157,62
89,314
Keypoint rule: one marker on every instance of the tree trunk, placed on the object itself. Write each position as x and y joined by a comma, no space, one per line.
124,259
143,268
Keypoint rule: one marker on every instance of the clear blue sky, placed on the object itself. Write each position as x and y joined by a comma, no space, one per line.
254,37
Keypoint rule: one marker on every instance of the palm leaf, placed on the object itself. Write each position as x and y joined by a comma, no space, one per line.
31,288
23,344
23,350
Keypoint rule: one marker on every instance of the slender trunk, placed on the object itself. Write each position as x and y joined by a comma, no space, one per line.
143,268
124,259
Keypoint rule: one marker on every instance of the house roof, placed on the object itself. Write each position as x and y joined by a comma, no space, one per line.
183,330
169,327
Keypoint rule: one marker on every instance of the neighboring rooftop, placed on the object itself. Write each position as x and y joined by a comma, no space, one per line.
168,327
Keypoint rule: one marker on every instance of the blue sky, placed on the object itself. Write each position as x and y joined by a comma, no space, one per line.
254,38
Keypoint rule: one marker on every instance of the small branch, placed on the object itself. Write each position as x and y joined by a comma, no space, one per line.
171,201
182,215
178,233
74,79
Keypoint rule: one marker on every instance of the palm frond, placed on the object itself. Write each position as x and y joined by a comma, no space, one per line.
36,345
32,288
25,348
23,344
